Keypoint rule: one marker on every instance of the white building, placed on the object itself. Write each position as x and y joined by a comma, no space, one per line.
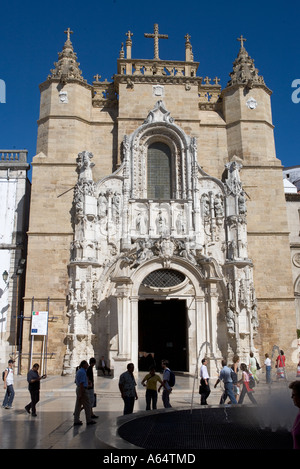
14,213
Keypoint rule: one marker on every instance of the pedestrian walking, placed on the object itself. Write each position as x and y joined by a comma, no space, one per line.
103,366
235,369
295,387
268,368
150,381
253,366
280,365
33,379
226,377
82,395
246,390
166,381
91,389
127,386
204,389
9,385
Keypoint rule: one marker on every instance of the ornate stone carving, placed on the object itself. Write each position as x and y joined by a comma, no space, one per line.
119,232
251,103
67,67
244,71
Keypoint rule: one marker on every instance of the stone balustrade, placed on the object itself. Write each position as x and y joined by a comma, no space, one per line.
13,156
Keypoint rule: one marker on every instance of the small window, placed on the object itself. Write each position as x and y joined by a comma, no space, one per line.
159,171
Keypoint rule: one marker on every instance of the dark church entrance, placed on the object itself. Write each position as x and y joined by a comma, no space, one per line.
163,332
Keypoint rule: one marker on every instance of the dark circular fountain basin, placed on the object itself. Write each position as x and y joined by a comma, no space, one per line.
236,427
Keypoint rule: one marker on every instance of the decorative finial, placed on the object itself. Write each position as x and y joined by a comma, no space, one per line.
156,37
68,32
67,66
244,71
97,77
129,34
242,40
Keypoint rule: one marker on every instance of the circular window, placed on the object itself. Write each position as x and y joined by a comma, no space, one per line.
163,278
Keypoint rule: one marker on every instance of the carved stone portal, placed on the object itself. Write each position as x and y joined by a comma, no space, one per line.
121,236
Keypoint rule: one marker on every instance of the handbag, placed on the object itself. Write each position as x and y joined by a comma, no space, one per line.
95,400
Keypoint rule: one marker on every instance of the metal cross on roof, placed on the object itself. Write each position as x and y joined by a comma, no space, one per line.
156,37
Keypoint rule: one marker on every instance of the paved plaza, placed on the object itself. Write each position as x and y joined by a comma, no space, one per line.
53,427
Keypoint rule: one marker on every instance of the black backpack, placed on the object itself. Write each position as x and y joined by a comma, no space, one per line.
172,379
234,376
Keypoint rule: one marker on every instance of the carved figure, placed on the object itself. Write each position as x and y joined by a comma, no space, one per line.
85,165
116,205
180,226
219,210
141,223
102,205
242,203
161,223
230,321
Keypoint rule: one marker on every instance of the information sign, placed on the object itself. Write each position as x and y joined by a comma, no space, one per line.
39,323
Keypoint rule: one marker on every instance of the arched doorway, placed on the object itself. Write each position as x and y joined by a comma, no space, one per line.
163,333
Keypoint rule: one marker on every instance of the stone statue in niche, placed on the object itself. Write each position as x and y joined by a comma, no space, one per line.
242,203
180,225
205,206
230,321
161,224
141,223
102,205
233,182
116,205
232,250
85,165
218,204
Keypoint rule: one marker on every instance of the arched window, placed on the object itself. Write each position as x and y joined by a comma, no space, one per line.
159,185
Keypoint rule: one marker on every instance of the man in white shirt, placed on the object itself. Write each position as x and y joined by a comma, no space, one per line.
204,389
167,388
9,385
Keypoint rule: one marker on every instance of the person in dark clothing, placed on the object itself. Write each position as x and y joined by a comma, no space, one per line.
103,366
91,390
33,379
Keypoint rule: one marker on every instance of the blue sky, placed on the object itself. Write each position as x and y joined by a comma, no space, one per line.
32,33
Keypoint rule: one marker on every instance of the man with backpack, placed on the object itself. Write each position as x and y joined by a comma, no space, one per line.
168,382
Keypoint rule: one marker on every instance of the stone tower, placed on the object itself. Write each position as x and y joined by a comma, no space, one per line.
158,226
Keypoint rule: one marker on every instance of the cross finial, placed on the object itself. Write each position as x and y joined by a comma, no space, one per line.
129,34
156,36
242,40
97,77
187,37
68,32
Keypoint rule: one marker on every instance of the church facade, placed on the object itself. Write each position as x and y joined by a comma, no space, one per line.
153,233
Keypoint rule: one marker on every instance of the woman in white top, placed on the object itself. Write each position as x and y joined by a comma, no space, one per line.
9,386
268,368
